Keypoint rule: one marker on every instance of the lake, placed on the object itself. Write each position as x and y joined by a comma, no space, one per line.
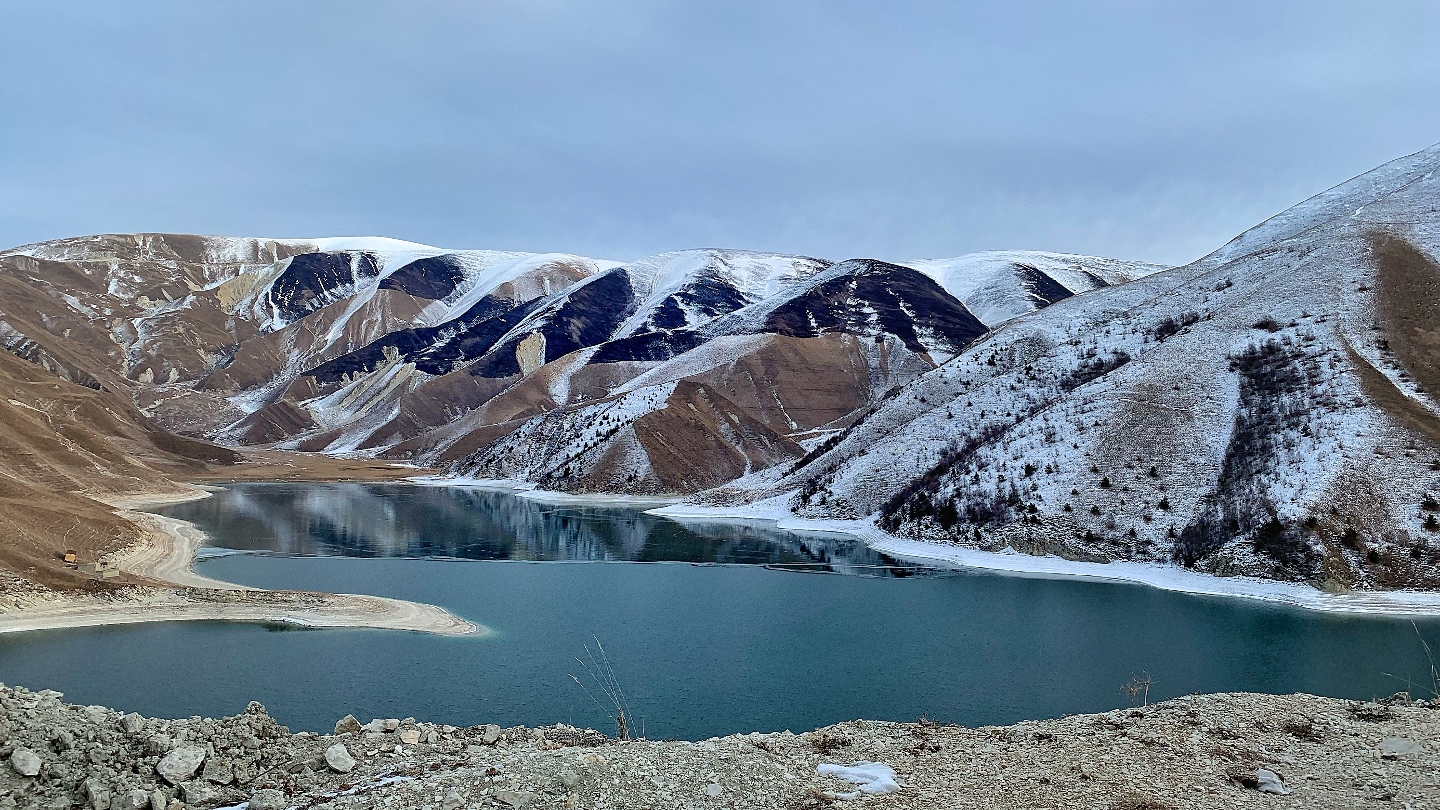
710,630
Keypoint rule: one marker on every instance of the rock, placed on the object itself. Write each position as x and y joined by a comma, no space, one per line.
1373,712
1392,747
158,744
410,736
515,798
347,725
713,789
453,800
1270,782
268,799
338,758
63,740
491,735
569,778
96,793
157,800
132,723
180,764
133,799
218,770
375,726
198,792
25,762
391,724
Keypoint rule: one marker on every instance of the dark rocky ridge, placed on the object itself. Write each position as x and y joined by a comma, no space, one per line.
312,280
873,297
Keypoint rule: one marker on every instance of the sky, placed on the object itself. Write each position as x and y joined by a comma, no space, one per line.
618,129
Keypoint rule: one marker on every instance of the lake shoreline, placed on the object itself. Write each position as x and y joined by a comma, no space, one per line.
1400,603
1155,575
164,587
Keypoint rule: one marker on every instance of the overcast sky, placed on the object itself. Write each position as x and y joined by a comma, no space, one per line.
1145,130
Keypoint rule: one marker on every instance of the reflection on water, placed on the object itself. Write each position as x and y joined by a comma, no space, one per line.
396,520
702,650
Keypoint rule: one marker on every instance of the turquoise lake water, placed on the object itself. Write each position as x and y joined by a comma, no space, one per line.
711,629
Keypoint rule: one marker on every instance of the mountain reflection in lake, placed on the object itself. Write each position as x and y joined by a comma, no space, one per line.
398,520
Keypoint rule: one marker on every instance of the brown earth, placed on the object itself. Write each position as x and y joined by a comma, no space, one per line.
65,448
1409,306
700,440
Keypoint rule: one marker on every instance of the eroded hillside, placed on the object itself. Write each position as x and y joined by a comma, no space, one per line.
1267,410
671,374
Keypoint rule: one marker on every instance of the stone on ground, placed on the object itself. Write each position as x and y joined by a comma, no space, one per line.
25,762
133,799
180,764
1269,782
268,799
338,758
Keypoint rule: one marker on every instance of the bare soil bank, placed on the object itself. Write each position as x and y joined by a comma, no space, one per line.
1213,751
157,582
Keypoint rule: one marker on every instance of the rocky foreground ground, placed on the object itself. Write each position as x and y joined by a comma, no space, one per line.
1229,750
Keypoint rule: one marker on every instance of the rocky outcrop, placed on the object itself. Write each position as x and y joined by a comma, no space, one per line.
1206,751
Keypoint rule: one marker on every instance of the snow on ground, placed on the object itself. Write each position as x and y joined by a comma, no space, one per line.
1156,575
872,778
992,286
755,276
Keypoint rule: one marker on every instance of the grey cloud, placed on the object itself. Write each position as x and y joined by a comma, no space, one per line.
1140,130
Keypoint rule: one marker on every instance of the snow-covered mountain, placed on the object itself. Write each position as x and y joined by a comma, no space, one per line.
701,365
997,285
1270,409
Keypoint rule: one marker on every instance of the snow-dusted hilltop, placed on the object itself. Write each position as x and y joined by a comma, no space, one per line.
997,285
1270,409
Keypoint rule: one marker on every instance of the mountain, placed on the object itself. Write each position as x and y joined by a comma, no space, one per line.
1270,409
698,366
997,285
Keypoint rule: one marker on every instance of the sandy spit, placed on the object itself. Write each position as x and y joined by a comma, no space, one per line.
165,560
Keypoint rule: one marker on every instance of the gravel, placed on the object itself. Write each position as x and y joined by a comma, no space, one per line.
1209,751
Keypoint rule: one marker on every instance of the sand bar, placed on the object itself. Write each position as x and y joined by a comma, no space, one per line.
169,590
